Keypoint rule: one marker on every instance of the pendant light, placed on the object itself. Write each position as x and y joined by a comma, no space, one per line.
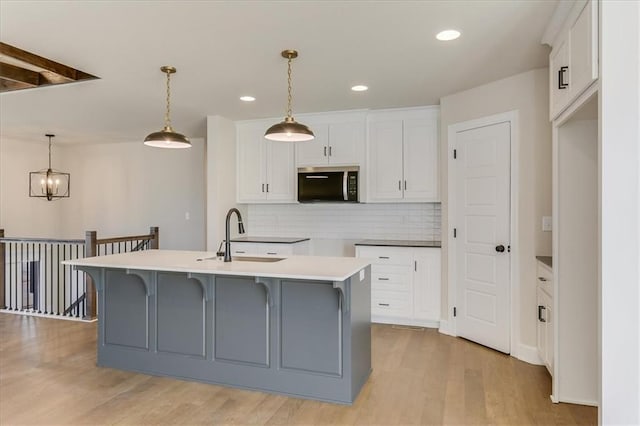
167,138
289,130
48,183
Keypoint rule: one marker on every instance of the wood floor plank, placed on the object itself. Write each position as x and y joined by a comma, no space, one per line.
48,376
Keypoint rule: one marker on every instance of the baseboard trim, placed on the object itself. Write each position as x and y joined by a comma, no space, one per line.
579,401
528,354
405,321
445,328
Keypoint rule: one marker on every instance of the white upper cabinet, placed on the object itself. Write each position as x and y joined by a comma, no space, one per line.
265,169
573,62
339,140
403,155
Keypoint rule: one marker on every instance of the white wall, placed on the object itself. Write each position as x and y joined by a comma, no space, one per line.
116,189
528,93
334,227
620,211
221,178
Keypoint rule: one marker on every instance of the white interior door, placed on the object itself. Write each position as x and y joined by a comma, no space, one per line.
482,242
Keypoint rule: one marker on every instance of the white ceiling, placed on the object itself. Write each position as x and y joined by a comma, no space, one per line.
224,49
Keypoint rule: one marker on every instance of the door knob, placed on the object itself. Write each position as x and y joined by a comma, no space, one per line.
500,248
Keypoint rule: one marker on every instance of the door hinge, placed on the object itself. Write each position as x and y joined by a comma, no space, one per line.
455,232
455,154
508,249
455,311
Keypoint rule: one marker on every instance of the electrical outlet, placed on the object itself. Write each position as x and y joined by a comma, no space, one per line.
546,223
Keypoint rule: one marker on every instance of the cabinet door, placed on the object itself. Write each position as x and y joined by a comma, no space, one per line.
346,143
549,334
385,160
583,39
427,283
315,152
559,78
420,182
281,175
250,166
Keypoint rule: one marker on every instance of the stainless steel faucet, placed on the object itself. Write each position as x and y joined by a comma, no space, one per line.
227,242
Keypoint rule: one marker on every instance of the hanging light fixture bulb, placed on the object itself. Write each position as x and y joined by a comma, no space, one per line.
49,183
167,137
289,130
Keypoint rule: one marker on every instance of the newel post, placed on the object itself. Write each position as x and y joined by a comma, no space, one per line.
2,263
90,250
155,241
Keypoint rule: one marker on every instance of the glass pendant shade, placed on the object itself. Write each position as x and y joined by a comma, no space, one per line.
289,130
167,138
48,183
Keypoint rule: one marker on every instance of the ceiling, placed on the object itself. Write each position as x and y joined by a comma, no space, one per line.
225,49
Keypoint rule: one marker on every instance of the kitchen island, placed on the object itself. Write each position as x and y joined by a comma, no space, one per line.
298,326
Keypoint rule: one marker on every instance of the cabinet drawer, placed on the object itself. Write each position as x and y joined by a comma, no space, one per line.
386,255
544,278
397,304
261,249
391,281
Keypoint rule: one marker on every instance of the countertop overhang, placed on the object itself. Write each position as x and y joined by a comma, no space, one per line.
295,267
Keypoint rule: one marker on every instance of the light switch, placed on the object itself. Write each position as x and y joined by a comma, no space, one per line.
546,223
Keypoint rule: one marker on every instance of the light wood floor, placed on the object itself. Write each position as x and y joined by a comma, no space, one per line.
48,376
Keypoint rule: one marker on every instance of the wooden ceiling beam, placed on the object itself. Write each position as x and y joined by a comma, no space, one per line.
40,72
20,75
38,61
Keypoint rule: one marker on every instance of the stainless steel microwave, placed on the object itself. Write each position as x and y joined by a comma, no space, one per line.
328,184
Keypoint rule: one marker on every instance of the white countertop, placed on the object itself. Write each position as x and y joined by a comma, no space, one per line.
296,267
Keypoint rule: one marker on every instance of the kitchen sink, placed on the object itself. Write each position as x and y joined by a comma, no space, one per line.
256,259
248,259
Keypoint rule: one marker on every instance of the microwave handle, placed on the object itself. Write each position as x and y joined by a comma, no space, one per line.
345,176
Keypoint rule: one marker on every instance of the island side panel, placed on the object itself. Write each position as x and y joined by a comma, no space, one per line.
241,321
126,310
311,327
360,289
180,310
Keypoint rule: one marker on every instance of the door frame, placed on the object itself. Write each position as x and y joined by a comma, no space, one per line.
514,298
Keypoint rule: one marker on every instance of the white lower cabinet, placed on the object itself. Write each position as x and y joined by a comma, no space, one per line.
405,284
545,324
269,249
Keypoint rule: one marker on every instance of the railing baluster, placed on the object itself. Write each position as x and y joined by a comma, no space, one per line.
11,275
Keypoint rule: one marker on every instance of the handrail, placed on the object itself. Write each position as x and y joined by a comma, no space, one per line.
38,240
123,239
39,283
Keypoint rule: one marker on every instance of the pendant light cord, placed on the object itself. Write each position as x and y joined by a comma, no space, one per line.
289,86
167,116
49,152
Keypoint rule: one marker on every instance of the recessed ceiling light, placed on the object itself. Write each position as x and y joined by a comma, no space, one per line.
359,88
247,98
448,35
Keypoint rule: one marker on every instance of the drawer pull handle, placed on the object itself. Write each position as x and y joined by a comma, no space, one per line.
240,251
542,279
383,279
383,257
383,304
561,83
272,252
540,309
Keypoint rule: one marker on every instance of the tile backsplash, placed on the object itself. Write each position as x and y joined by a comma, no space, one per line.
418,221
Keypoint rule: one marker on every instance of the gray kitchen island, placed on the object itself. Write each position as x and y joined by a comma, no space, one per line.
297,326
